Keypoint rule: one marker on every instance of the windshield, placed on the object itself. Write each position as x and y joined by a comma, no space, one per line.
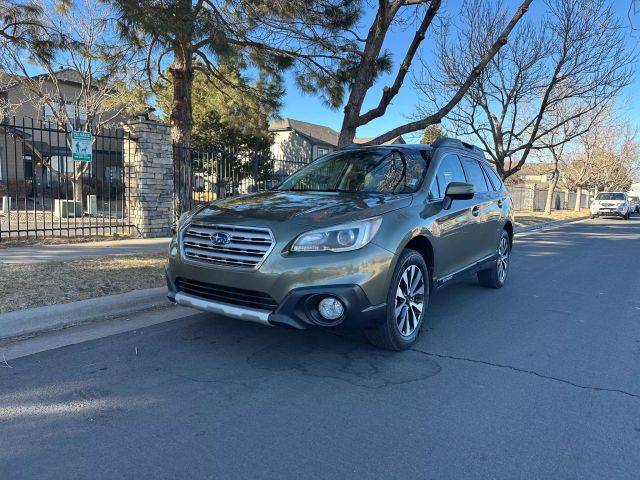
610,196
375,171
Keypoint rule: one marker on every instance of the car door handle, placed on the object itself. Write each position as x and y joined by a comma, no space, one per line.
475,211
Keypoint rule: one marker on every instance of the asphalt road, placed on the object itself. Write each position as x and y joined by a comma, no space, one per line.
538,380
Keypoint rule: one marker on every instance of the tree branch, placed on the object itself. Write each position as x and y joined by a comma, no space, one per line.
462,90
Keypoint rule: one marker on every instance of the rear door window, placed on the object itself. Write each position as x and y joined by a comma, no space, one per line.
475,175
498,186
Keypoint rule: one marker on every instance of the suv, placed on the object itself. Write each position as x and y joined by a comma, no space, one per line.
360,237
610,203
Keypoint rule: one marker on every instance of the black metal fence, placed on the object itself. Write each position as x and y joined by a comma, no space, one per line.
213,172
45,193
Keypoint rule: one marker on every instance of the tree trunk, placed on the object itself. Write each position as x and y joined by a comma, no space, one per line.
79,169
181,124
77,190
578,199
550,191
364,76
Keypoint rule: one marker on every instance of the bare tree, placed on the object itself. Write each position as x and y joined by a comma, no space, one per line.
606,158
573,60
348,63
105,70
616,158
364,72
570,127
556,150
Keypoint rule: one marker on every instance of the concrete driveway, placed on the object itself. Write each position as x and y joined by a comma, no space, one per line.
538,380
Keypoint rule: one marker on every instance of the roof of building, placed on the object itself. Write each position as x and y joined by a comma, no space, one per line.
315,133
319,134
67,75
8,79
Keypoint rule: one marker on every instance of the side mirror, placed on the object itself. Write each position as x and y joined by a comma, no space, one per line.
457,191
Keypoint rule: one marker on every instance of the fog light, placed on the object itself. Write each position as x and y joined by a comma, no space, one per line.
330,308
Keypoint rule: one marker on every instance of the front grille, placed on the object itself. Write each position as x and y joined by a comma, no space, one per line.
247,248
234,296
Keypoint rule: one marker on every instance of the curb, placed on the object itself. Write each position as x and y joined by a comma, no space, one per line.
545,225
32,321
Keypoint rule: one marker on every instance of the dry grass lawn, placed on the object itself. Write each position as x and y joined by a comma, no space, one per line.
529,218
37,285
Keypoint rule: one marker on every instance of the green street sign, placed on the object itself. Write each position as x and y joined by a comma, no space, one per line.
81,146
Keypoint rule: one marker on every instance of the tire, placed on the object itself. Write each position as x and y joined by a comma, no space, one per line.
626,217
593,217
496,275
404,318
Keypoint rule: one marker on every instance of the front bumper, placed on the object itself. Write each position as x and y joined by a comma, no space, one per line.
297,310
358,279
607,212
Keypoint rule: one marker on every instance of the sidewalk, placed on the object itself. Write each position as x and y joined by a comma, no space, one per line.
73,251
522,229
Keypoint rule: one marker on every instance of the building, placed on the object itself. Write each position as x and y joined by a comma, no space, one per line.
295,140
34,149
541,172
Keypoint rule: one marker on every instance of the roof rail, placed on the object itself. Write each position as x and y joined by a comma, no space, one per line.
456,143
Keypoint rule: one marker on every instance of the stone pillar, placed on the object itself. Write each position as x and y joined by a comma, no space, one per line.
148,176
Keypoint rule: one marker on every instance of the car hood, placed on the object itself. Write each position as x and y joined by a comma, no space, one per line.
315,209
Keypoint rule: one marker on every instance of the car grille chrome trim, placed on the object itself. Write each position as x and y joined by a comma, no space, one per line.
247,247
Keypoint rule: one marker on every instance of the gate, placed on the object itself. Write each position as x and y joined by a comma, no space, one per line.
214,172
45,193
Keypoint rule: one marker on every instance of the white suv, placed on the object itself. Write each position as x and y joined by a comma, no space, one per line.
610,203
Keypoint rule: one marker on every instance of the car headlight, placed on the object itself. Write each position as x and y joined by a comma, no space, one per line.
341,238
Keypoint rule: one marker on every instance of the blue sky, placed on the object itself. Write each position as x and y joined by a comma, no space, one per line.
311,108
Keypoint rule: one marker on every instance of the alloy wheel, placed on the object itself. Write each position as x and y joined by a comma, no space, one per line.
409,300
503,259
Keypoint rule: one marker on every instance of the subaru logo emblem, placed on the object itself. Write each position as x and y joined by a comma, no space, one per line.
220,238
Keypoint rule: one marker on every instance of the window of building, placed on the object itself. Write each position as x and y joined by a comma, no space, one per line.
28,166
49,110
322,151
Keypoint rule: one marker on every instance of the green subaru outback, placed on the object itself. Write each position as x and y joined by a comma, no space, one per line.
360,237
